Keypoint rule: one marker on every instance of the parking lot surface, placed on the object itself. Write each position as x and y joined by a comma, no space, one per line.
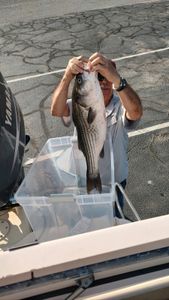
35,51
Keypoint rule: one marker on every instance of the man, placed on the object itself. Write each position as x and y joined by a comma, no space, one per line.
123,106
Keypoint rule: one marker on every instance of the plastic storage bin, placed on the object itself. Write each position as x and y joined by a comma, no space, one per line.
53,194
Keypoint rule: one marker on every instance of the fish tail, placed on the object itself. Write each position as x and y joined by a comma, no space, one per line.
94,183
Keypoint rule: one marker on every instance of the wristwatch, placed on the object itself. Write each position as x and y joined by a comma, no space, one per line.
122,85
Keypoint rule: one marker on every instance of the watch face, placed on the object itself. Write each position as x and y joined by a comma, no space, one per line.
123,84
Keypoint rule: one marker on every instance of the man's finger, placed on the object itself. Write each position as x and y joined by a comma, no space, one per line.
77,69
95,55
82,58
98,68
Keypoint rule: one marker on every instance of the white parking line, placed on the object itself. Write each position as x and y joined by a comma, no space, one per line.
62,70
35,76
130,134
142,53
148,129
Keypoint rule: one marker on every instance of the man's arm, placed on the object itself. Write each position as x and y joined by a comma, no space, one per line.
128,96
59,106
131,103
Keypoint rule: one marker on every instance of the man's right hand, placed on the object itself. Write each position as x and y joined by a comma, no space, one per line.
105,67
75,66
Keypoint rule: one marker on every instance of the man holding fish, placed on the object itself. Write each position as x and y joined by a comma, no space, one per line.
103,104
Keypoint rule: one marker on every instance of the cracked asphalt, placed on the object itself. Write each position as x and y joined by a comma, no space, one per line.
43,44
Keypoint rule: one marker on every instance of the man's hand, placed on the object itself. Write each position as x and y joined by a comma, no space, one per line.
75,66
59,106
106,67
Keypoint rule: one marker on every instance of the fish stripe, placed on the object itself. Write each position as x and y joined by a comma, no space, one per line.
88,144
87,140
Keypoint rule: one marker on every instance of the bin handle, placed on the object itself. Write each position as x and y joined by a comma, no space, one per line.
127,200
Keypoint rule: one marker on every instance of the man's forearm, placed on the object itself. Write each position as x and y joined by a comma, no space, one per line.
59,98
131,102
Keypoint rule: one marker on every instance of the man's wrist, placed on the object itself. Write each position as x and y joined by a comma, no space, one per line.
67,78
122,85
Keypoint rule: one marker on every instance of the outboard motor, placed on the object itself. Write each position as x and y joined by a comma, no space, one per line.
12,143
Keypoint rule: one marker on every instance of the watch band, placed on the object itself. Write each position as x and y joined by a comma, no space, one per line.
122,85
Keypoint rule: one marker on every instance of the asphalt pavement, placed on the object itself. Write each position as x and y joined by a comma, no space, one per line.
135,35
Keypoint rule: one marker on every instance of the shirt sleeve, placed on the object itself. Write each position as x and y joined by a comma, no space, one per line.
129,124
68,120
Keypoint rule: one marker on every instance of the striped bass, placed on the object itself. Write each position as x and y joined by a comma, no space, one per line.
88,112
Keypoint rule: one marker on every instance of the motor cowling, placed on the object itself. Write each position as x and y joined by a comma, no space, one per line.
12,143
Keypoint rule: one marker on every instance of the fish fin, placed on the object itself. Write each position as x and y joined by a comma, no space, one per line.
79,141
94,183
102,152
91,115
79,146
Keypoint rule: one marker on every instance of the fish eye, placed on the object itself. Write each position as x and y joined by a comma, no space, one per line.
79,79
